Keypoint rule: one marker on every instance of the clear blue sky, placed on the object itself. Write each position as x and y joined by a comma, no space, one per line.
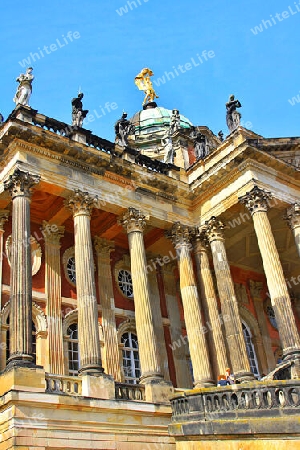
261,69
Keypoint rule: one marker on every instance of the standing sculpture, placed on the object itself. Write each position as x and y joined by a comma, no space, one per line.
200,145
175,121
233,117
123,129
143,82
78,114
168,148
24,89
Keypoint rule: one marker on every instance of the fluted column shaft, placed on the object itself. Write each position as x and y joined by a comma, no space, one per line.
179,343
81,204
52,235
233,326
3,219
293,218
111,354
257,202
210,306
19,184
134,223
191,305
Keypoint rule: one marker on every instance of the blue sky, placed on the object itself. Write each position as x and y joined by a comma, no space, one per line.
261,69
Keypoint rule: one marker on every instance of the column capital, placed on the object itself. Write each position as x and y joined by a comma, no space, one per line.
214,229
52,233
180,234
3,218
256,289
134,220
292,216
200,239
256,200
103,246
20,183
81,203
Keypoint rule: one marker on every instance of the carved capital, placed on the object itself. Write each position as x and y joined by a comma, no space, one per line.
200,239
255,288
256,200
134,220
3,218
81,203
103,246
180,234
292,216
214,229
20,183
52,233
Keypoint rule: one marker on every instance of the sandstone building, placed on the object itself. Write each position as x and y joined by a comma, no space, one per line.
128,281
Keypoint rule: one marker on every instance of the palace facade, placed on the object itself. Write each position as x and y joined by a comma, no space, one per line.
130,284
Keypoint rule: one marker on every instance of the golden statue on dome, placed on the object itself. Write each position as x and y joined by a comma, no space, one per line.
143,82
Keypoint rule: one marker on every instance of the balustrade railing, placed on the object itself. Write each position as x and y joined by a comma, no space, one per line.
240,401
130,392
59,384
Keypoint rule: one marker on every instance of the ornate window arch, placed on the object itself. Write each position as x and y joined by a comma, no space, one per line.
122,272
69,265
39,330
129,352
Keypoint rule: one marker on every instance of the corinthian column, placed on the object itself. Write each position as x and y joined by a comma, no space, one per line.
111,353
134,223
233,326
82,204
52,235
210,305
19,184
180,236
3,219
293,218
256,201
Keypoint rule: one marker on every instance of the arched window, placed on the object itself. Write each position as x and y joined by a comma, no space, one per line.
250,350
33,341
131,361
73,349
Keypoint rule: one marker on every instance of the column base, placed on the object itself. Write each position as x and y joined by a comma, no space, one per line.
157,390
244,377
100,386
91,369
18,378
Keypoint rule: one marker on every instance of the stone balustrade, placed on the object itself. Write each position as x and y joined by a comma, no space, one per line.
239,401
130,392
59,384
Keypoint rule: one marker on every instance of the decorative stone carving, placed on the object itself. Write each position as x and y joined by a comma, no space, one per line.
81,203
20,183
255,288
214,229
233,117
180,234
256,200
25,87
293,216
134,220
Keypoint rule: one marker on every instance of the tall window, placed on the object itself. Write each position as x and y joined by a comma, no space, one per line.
131,361
73,349
33,341
250,350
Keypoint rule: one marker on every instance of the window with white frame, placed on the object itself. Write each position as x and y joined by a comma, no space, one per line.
250,350
125,283
131,361
73,349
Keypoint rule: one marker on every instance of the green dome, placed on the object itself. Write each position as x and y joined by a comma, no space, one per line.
154,120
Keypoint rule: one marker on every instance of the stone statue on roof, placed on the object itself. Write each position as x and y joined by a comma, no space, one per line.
168,148
175,121
78,114
233,117
24,89
123,129
200,143
143,82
